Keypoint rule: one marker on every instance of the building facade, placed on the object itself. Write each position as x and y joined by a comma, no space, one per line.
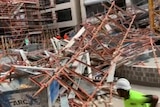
67,13
91,7
47,12
70,13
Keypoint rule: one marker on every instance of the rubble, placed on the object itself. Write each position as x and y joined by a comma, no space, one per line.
83,67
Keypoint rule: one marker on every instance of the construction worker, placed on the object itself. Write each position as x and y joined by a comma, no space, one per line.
66,36
134,98
58,36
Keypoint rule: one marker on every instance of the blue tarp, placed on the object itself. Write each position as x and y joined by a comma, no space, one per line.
54,91
4,100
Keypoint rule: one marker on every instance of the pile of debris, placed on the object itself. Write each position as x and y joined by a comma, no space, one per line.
82,69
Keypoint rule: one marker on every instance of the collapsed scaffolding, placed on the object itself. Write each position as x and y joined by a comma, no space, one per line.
22,22
85,65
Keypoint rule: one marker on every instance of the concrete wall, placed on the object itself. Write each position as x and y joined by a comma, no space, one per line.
147,76
83,10
78,11
140,75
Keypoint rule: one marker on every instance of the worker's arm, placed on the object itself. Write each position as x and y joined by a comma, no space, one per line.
153,100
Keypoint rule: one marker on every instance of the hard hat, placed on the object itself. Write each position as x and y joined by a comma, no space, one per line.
123,83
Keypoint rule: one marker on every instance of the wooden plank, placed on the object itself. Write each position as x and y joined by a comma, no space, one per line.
89,63
112,68
30,72
33,68
110,77
24,57
46,52
54,46
57,43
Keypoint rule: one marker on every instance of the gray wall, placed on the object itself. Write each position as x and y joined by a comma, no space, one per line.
140,75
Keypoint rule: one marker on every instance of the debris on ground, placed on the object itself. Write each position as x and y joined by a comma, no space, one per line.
80,71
